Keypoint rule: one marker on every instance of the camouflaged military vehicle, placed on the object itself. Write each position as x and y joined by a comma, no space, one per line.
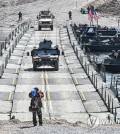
45,55
45,20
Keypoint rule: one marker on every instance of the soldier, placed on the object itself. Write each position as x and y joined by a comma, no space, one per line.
70,15
88,9
20,16
36,104
92,9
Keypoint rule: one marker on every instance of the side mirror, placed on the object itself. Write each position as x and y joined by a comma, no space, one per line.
37,17
28,53
63,53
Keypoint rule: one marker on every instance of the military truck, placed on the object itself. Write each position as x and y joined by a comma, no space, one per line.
45,20
45,55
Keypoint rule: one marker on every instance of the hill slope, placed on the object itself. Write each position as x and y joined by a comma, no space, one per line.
110,7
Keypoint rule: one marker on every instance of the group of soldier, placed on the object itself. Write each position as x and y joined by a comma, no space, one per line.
89,8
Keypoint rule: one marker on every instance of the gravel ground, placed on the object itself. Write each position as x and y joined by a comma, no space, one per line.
9,19
55,127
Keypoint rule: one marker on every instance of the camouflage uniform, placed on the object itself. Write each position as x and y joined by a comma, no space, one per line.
36,104
39,114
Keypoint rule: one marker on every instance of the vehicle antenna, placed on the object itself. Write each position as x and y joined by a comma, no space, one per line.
56,32
34,34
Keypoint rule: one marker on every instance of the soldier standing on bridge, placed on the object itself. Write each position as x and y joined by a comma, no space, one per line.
36,105
20,16
70,15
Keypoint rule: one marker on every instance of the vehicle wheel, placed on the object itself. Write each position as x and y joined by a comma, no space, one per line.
52,28
39,28
34,66
56,66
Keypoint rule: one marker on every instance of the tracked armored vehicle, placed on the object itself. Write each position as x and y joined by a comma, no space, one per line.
92,32
45,20
101,46
45,55
112,64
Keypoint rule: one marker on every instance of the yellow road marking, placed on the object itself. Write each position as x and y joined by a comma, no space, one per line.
17,70
76,81
71,70
9,97
14,80
83,96
46,78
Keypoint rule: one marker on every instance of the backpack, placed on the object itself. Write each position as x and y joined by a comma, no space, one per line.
36,103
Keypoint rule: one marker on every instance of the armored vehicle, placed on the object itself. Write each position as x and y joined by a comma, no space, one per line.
45,55
112,64
92,32
45,20
101,46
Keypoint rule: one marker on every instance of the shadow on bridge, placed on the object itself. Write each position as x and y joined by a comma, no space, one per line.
40,69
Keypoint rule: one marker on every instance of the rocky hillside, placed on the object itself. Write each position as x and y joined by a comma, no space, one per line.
111,7
4,3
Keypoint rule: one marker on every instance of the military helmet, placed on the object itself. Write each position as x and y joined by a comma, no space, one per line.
37,89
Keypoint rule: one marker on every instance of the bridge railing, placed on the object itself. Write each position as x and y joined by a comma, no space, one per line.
19,30
7,46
